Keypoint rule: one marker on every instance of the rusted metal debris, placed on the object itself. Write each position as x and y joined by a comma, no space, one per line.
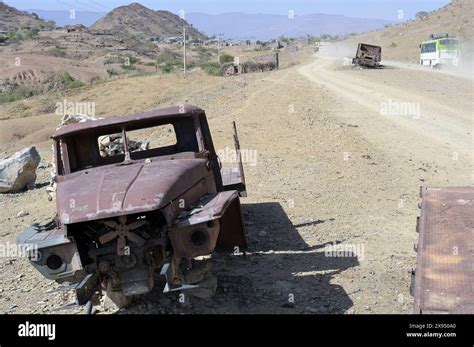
124,216
368,56
110,145
444,276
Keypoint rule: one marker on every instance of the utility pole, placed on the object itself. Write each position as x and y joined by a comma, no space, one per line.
219,48
184,48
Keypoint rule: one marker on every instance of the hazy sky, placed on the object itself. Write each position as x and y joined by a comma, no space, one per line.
383,9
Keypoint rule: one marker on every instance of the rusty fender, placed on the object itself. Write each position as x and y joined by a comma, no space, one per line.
216,223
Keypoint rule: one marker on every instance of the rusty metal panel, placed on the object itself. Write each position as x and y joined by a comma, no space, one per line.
444,276
231,176
106,192
232,232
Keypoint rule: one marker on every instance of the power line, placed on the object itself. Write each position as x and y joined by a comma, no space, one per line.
69,5
95,8
85,12
100,5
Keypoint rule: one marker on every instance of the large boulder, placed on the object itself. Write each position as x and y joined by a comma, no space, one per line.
18,172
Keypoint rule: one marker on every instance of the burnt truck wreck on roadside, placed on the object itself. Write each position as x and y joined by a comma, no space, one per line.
123,218
368,56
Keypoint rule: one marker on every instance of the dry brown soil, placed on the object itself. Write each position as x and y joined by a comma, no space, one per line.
332,168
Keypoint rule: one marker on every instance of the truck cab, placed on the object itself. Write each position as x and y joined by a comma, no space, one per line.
135,195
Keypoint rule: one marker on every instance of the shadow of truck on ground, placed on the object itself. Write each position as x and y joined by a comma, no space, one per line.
280,274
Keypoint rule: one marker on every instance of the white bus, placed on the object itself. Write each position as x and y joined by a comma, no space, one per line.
440,50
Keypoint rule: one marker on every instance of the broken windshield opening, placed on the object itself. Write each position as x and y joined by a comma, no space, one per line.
98,147
147,139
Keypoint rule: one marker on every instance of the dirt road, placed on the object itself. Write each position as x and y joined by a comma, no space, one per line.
427,123
332,168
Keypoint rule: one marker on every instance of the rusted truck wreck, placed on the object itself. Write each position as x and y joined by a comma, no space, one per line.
122,218
368,56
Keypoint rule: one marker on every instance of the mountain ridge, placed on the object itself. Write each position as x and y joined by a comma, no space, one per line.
138,20
14,19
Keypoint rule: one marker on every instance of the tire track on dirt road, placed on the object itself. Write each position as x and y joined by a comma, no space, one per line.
444,130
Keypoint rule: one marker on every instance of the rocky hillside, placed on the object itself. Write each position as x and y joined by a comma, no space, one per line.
138,20
13,19
401,42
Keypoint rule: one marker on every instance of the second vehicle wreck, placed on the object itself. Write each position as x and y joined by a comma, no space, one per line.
368,56
124,216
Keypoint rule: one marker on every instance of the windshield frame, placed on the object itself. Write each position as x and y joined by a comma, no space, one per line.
187,130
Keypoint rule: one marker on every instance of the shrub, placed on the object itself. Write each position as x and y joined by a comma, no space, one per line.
150,46
58,52
96,79
69,82
48,107
14,36
226,58
167,67
10,97
191,65
169,60
108,61
421,15
213,69
129,61
112,72
169,56
204,50
14,92
33,32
